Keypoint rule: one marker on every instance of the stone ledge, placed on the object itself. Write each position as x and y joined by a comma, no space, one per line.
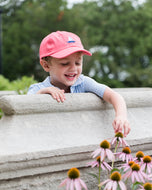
31,104
31,164
4,93
37,147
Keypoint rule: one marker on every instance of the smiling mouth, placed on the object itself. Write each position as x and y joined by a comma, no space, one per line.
70,76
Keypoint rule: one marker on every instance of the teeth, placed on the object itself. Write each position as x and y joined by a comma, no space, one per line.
70,75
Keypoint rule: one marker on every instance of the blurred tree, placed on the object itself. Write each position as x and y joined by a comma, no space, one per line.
118,32
120,37
24,26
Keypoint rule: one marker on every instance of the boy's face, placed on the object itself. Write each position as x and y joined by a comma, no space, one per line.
64,72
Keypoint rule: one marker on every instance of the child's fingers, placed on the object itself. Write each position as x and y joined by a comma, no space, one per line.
118,126
126,128
59,96
56,96
62,97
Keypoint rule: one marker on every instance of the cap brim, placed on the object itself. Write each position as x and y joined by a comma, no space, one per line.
68,51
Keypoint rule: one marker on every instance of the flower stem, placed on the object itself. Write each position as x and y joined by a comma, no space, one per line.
146,169
133,186
99,176
115,152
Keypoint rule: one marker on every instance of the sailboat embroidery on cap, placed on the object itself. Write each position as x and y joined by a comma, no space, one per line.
70,40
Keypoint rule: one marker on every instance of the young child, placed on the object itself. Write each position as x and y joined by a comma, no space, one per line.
61,55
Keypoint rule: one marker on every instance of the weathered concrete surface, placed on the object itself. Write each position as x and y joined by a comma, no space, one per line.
41,139
3,93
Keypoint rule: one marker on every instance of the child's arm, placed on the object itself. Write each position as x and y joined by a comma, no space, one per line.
56,93
120,122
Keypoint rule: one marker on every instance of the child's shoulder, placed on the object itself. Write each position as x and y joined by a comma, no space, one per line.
37,86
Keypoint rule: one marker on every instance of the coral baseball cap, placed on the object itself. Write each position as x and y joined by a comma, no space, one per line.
61,44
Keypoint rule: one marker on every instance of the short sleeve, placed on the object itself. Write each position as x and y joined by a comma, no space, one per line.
34,88
90,85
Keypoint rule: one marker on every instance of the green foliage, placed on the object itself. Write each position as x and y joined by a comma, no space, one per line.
4,83
22,85
116,31
120,36
1,113
24,27
19,85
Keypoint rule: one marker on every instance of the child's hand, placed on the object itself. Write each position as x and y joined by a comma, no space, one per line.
56,93
120,123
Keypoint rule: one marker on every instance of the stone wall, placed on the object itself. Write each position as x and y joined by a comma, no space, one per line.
41,139
4,93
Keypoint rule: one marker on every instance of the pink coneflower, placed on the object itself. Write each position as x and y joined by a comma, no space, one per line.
146,186
125,154
146,164
136,174
73,181
150,177
113,182
127,166
139,156
97,162
118,139
104,151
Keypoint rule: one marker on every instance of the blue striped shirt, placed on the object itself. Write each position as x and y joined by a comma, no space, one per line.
82,85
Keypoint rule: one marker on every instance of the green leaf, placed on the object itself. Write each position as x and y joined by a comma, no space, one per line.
114,170
94,175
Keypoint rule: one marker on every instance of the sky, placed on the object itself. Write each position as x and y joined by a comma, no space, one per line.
71,2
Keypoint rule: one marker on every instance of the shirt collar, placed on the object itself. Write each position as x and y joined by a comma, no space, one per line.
79,81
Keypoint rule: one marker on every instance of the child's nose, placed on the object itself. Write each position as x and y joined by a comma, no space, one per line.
73,66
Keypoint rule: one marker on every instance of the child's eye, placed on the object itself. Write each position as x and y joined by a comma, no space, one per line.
64,64
78,63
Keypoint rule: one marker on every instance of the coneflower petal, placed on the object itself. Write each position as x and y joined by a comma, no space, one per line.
114,186
126,175
102,155
107,166
63,182
122,156
90,163
102,183
77,184
83,184
143,166
127,168
68,184
93,164
128,158
108,185
124,143
133,177
72,185
113,140
110,155
137,176
148,168
122,185
141,177
96,152
120,140
145,175
102,166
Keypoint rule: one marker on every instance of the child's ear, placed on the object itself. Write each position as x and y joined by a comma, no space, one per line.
45,65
